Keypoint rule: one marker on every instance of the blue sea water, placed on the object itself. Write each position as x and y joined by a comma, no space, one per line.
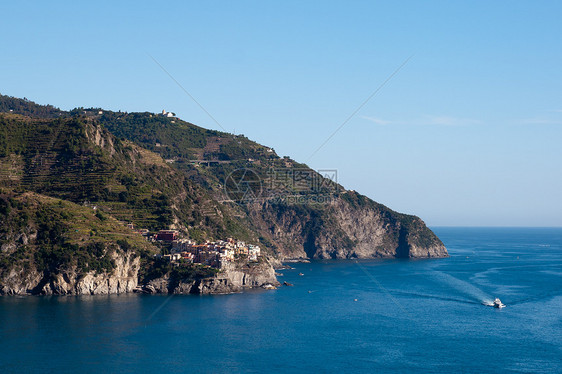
340,316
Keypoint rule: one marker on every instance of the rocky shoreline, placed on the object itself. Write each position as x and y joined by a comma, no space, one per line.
123,279
232,278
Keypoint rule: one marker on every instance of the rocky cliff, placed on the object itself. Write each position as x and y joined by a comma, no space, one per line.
233,277
122,279
53,247
348,226
49,246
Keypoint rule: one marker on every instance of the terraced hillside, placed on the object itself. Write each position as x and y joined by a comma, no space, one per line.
158,172
76,159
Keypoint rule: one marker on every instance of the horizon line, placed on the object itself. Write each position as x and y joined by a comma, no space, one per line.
495,227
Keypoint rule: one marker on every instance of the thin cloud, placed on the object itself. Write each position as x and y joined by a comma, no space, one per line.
546,118
426,121
448,121
378,121
538,121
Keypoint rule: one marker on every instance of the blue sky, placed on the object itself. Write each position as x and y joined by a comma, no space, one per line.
468,132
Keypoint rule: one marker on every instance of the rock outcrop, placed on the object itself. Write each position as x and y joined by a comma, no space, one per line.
233,277
122,279
349,226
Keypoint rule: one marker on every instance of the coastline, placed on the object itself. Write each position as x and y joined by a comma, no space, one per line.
231,279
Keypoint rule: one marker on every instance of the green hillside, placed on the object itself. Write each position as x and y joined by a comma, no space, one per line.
14,105
76,159
51,234
161,172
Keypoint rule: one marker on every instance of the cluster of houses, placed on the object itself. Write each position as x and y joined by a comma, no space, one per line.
211,253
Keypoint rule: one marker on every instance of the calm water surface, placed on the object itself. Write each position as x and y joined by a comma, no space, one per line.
424,316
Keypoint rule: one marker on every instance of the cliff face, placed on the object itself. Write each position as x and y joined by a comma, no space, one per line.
376,231
233,277
71,282
52,247
122,279
346,227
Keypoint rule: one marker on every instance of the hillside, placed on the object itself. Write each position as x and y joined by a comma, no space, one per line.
14,105
162,172
297,211
49,245
76,159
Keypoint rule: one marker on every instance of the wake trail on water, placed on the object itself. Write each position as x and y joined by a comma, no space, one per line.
436,297
464,287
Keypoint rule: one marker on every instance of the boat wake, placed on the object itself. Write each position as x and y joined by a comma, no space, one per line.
435,297
467,289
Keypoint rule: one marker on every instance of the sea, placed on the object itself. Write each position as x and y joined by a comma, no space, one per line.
350,316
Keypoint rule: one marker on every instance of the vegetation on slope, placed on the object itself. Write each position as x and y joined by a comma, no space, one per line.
50,235
75,159
161,172
9,104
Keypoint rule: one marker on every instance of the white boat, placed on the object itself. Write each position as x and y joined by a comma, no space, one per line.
498,304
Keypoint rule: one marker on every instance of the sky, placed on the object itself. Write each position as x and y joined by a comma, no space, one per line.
464,127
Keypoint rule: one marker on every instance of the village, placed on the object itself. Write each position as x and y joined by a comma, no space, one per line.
211,253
